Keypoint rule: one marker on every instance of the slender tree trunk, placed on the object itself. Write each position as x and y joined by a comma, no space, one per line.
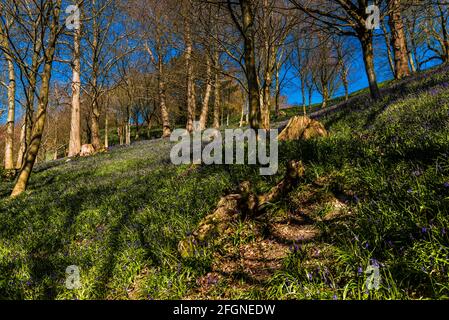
166,128
310,96
75,124
366,40
277,93
190,83
325,96
95,115
250,64
388,45
106,133
39,124
55,155
128,132
412,62
21,153
120,135
9,143
398,40
266,102
303,94
411,44
217,97
207,94
344,79
95,124
31,92
242,116
10,124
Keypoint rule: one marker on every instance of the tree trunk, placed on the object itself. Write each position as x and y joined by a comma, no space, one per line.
303,94
31,92
412,62
95,125
388,45
398,40
9,143
325,96
366,40
205,106
266,102
410,27
344,79
120,135
166,128
39,125
250,64
242,116
217,100
75,124
277,93
189,69
106,133
310,96
95,115
22,147
128,132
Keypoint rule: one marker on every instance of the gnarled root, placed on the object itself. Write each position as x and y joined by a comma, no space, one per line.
244,204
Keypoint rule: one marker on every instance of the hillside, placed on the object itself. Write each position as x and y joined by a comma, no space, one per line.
376,192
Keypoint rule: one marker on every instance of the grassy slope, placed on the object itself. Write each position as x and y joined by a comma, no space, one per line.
119,216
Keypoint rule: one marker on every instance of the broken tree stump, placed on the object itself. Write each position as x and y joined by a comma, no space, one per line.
302,128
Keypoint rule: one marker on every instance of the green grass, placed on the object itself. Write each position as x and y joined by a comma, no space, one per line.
119,216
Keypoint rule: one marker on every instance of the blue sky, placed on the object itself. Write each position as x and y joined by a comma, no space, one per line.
358,78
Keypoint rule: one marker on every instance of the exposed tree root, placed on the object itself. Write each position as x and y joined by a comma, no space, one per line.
245,204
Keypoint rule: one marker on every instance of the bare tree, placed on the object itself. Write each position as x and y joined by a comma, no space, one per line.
48,28
11,87
154,15
75,125
437,30
243,15
347,18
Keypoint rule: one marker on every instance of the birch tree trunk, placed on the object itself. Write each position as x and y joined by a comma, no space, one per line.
166,128
22,147
75,124
189,69
9,141
207,94
217,93
106,133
